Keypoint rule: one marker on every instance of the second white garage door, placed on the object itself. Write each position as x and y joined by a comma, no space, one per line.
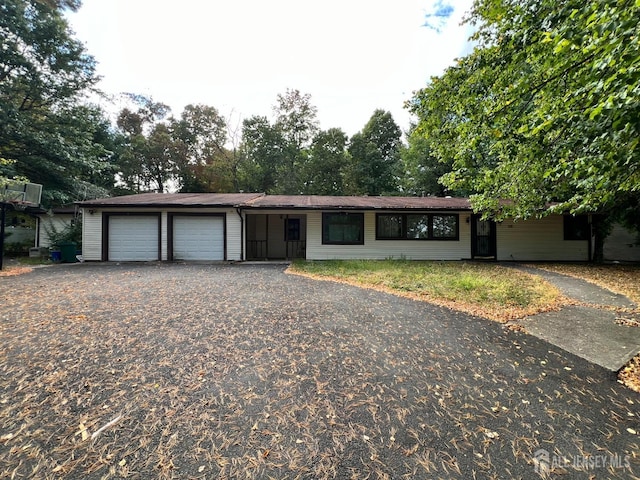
198,238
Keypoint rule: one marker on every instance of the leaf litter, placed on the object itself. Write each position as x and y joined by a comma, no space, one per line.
172,371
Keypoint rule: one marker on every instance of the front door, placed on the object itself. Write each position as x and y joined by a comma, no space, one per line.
483,237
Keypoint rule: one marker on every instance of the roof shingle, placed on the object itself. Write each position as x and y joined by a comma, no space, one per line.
262,201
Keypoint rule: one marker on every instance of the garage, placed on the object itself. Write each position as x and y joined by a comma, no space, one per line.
133,238
198,237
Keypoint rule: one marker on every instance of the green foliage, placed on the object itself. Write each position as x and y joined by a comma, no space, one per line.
275,154
544,109
204,164
71,232
51,136
262,146
296,123
323,171
375,154
421,170
148,156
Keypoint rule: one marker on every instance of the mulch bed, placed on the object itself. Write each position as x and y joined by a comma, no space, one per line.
200,371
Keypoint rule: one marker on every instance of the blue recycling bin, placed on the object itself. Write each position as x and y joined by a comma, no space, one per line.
56,256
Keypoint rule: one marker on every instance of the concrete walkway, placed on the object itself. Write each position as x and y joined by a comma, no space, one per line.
587,331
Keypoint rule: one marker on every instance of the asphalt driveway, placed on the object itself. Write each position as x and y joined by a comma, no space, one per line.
203,371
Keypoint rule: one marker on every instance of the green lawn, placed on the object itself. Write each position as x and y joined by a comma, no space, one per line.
485,289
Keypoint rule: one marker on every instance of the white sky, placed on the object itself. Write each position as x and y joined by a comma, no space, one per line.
351,56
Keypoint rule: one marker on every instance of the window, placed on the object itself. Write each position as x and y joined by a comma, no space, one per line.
390,226
576,227
417,227
401,226
292,230
343,229
445,226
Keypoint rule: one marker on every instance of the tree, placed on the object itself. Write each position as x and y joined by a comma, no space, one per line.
296,123
45,128
262,147
542,116
203,162
327,157
274,155
421,170
148,158
375,153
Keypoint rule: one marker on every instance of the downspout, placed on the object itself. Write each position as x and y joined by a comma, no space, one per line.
239,212
37,217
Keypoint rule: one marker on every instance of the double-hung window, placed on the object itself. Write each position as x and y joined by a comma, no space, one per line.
417,226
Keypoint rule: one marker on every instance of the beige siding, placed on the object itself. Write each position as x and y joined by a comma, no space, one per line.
381,249
538,239
91,235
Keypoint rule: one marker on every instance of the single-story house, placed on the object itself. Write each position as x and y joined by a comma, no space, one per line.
255,226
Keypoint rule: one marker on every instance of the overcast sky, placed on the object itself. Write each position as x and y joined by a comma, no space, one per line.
351,56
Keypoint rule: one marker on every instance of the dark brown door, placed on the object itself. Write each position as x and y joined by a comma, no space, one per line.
483,237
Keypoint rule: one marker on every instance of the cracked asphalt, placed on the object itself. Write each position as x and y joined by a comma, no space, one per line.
229,371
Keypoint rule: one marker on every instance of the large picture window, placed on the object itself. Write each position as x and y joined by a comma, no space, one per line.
343,228
411,226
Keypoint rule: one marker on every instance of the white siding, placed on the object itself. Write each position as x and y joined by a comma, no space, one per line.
49,223
92,229
198,237
164,238
233,228
91,235
133,238
381,249
234,235
538,239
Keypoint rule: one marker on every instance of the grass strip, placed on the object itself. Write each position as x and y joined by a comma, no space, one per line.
483,289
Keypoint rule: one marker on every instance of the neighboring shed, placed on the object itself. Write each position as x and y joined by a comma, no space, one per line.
55,220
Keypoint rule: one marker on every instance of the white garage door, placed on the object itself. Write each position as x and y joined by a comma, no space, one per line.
198,238
133,238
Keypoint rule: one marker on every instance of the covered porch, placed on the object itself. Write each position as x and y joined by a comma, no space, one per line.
276,236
